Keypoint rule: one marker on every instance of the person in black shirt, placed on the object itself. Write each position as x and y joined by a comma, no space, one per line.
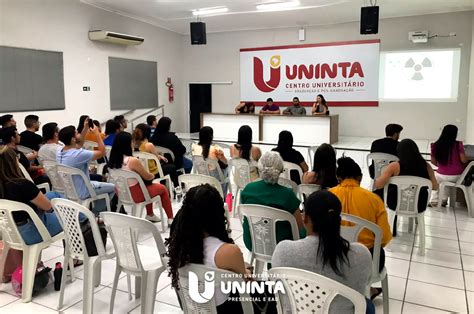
29,138
245,107
14,187
388,144
289,154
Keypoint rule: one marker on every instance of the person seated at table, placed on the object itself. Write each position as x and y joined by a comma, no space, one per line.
121,157
270,108
245,107
448,154
320,107
324,251
296,109
289,154
388,144
269,193
324,168
244,149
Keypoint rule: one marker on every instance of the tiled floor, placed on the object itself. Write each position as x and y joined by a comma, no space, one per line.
440,281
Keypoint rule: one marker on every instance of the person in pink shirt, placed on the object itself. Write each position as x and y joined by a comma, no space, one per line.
448,154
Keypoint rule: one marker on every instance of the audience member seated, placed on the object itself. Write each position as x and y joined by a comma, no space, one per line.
7,121
199,235
123,122
89,135
269,193
324,168
112,128
388,144
164,138
320,107
141,135
362,203
152,123
79,158
244,149
325,252
289,154
121,157
448,154
296,109
206,149
245,107
411,164
270,108
29,138
48,151
14,187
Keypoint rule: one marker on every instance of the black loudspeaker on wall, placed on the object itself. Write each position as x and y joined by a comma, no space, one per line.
369,20
198,33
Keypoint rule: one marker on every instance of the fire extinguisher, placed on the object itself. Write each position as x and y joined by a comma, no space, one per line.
170,90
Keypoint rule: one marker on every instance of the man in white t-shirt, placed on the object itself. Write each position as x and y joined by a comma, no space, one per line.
47,152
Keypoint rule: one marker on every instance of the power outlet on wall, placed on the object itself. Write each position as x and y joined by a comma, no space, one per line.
86,88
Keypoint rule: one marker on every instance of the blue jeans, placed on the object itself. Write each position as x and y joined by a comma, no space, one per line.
187,165
370,309
102,188
53,194
30,234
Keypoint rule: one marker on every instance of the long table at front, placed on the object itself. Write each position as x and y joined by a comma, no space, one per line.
306,130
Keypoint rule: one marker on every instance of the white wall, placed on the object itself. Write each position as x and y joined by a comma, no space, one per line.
470,104
62,25
219,61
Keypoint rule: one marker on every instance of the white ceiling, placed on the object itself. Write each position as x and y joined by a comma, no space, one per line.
175,15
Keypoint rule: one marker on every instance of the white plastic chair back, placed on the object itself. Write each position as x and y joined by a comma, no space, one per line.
144,157
52,173
262,224
289,184
90,145
68,214
380,160
164,150
240,170
66,175
27,176
108,149
408,192
306,190
208,167
464,174
25,150
192,180
188,144
311,151
309,292
124,231
202,273
288,168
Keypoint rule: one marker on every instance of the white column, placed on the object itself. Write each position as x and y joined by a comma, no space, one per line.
470,100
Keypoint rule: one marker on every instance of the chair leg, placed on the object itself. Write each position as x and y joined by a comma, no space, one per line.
88,288
259,266
97,272
469,200
421,233
3,260
149,282
114,288
410,224
30,261
64,277
138,289
385,295
129,287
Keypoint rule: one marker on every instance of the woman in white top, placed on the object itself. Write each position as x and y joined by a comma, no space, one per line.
199,235
121,157
244,149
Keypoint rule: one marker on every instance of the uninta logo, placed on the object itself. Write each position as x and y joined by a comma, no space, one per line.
274,80
229,286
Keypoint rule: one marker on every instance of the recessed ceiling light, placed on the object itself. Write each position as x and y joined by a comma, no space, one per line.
210,11
277,6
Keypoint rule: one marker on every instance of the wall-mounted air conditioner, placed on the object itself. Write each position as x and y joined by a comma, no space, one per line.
115,38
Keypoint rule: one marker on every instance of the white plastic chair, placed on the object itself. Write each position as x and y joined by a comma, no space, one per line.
144,262
289,184
144,158
262,224
66,175
52,173
408,193
12,239
309,292
200,271
311,151
240,172
380,160
288,167
210,167
121,178
468,191
68,214
90,145
164,150
27,176
305,190
25,150
351,234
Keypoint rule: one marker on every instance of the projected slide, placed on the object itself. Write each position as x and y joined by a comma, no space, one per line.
430,75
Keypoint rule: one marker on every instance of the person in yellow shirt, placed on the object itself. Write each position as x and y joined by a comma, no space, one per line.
362,203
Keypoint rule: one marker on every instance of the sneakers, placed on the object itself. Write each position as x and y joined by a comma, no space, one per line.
152,218
444,203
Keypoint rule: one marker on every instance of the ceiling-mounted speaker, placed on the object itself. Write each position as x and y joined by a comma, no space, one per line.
369,20
198,33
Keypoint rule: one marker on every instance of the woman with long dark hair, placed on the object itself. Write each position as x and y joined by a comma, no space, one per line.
448,154
411,163
199,235
289,154
244,149
324,168
320,107
324,251
121,157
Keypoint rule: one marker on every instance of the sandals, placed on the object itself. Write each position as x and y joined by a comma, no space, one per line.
376,294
